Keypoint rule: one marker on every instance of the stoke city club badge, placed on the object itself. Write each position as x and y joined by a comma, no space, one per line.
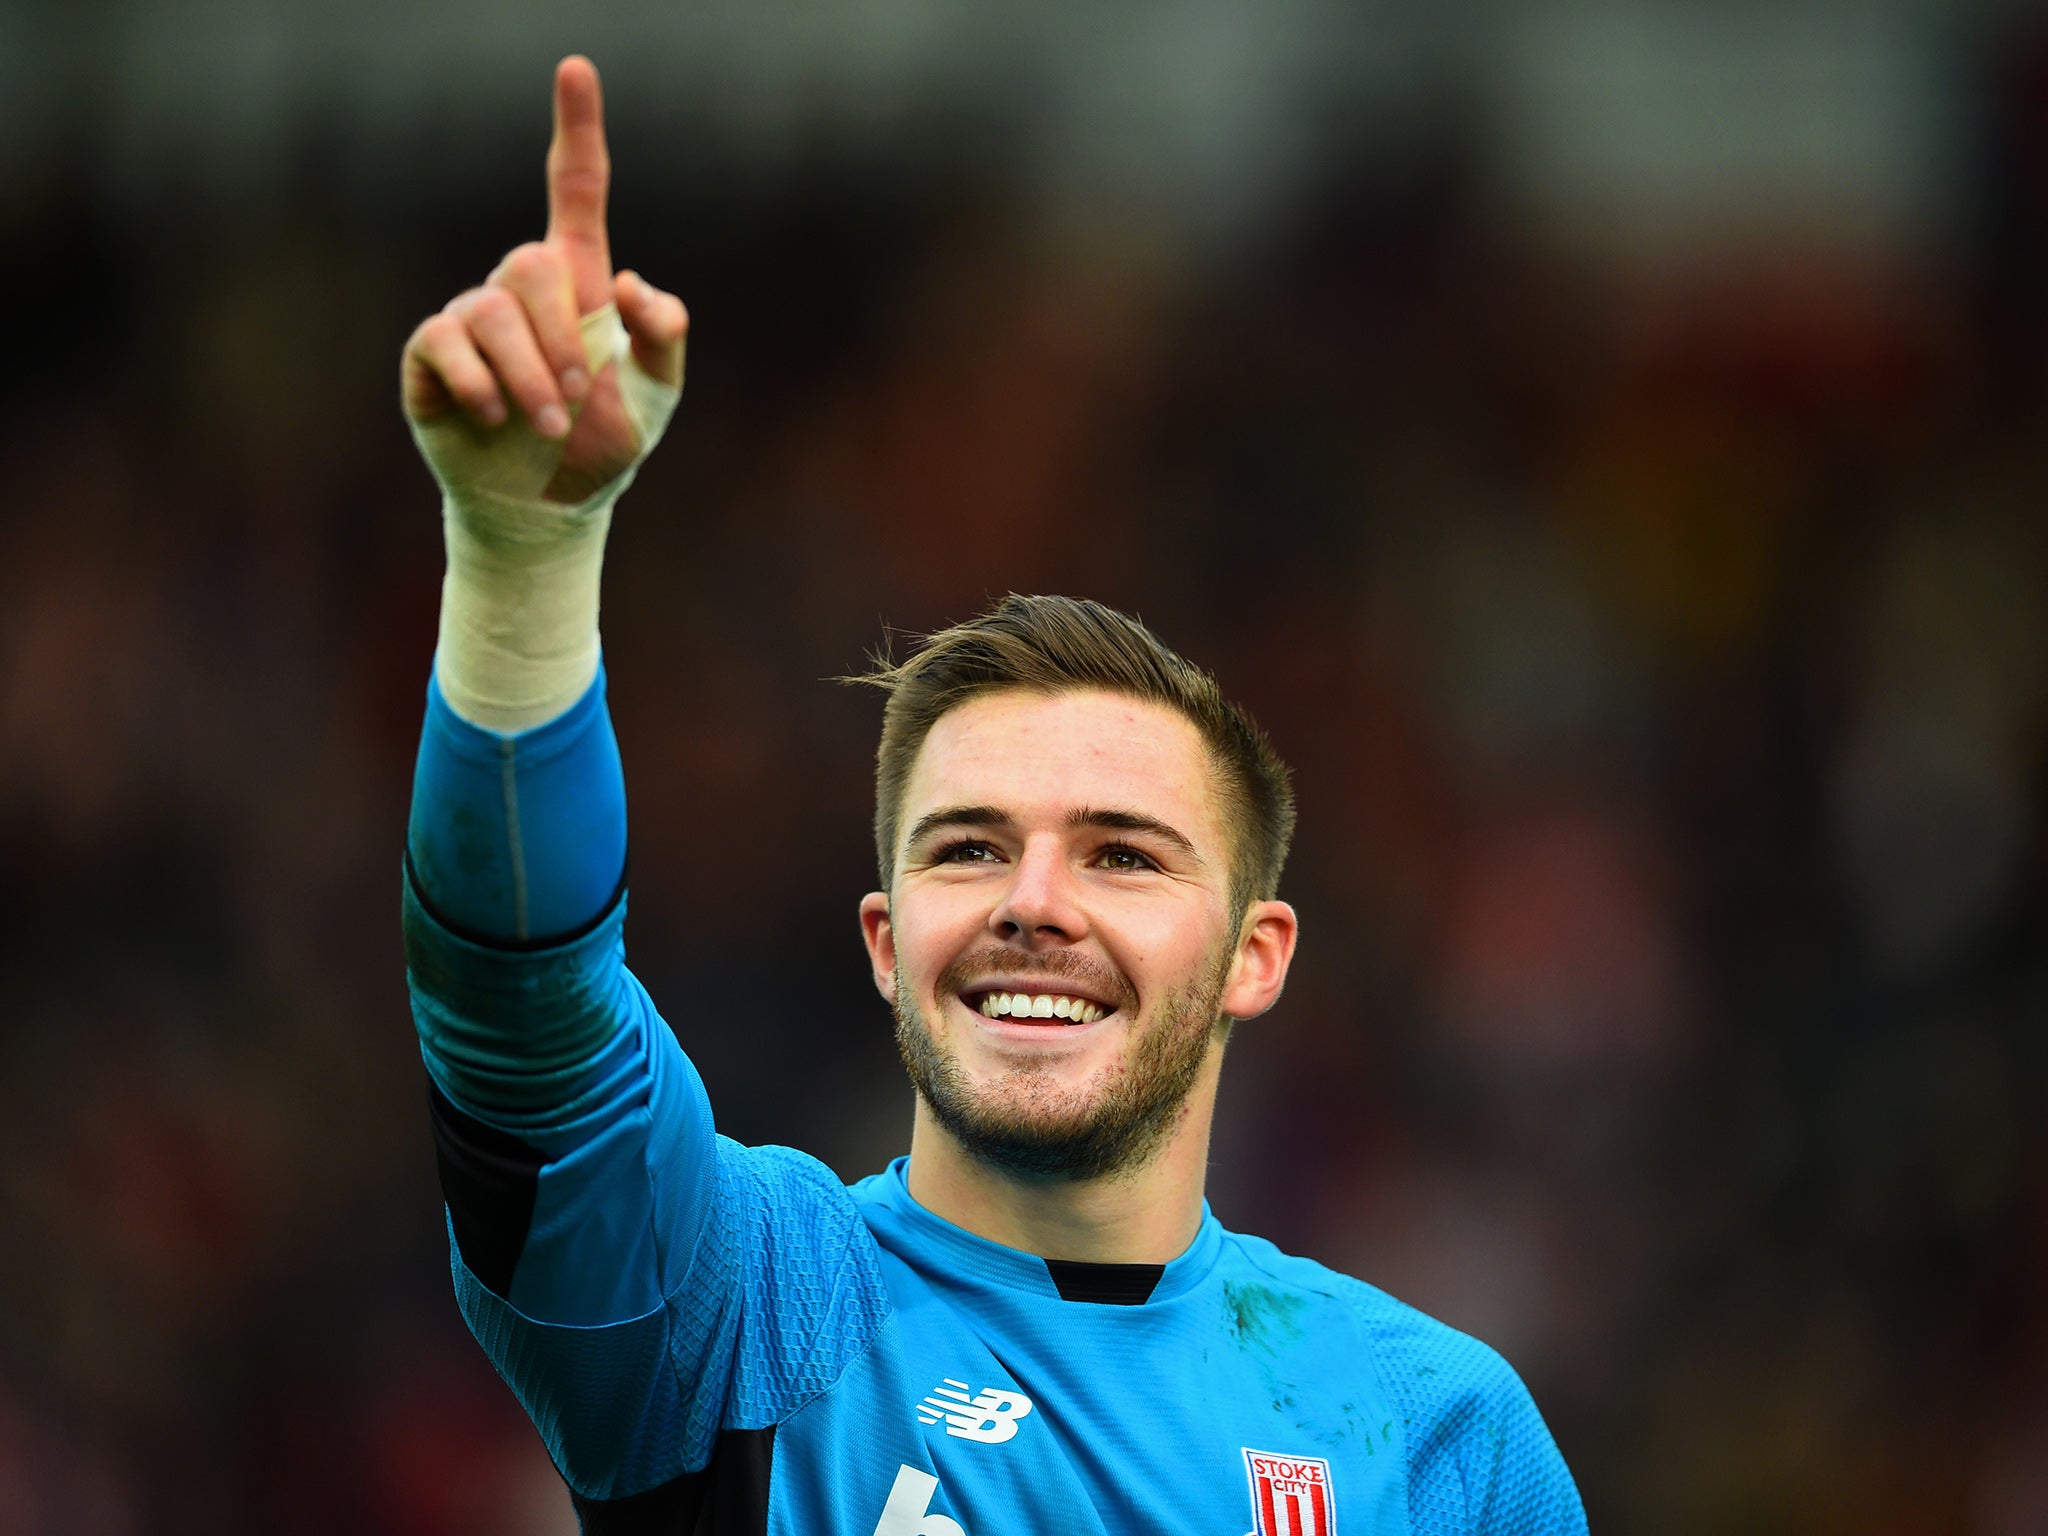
1290,1495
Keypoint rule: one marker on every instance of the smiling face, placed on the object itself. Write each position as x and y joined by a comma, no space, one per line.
1058,944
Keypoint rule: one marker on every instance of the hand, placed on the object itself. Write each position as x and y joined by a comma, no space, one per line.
518,337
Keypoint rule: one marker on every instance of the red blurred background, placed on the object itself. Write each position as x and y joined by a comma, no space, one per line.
1603,445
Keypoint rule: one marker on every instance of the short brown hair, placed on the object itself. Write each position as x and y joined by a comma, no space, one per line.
1057,645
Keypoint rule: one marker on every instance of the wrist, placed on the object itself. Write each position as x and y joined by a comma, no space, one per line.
519,606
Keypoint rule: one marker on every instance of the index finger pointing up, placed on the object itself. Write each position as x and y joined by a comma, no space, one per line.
579,176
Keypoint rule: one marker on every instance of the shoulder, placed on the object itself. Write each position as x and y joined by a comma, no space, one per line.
795,1201
1478,1454
790,1243
786,1283
1425,1361
800,1173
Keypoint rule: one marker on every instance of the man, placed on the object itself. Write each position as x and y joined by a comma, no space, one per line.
1032,1323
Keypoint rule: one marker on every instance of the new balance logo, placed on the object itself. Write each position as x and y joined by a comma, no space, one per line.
989,1415
908,1512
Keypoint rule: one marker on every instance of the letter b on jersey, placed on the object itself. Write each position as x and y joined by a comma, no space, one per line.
991,1418
906,1513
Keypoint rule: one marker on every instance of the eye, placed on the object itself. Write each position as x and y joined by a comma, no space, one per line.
966,851
1122,856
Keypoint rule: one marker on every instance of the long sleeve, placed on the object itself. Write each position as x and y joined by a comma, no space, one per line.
645,1286
517,843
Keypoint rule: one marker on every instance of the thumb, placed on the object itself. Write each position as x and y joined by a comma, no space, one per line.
656,322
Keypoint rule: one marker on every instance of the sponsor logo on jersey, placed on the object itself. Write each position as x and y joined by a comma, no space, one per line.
909,1510
1290,1495
989,1415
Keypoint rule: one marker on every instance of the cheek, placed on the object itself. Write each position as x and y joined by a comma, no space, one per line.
1159,939
933,927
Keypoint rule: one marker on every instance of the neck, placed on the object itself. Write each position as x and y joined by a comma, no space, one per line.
1143,1215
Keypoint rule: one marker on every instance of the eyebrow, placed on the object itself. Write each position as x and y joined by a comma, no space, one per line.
1135,821
955,816
1087,816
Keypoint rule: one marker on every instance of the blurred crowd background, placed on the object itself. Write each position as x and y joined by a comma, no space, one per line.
1603,443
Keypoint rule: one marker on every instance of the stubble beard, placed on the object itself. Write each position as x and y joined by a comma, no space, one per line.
1027,1124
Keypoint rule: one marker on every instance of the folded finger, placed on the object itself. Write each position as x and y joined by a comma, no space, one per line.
442,365
539,276
499,326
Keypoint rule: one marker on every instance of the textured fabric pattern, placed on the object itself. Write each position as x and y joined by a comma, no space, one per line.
1479,1459
783,1291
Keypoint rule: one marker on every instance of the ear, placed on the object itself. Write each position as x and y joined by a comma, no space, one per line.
1265,949
879,935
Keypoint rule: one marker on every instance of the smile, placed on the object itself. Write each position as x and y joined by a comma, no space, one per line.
1040,1005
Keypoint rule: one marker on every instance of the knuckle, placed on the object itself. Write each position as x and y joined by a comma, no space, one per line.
473,385
435,345
530,265
491,305
461,368
586,182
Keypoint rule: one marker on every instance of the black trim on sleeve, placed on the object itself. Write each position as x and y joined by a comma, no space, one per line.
1110,1285
489,1178
498,942
728,1498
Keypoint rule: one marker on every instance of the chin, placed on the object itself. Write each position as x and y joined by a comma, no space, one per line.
1067,1115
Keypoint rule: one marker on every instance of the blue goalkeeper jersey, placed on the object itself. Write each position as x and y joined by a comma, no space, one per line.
721,1339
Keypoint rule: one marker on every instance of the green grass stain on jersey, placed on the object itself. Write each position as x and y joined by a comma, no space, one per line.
1264,1322
1261,1318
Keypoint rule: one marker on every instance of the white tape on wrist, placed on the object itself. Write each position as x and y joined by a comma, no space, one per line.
519,641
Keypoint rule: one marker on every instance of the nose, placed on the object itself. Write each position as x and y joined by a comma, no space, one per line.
1041,904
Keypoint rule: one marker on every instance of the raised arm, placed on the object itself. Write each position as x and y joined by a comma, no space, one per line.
646,1288
533,404
533,407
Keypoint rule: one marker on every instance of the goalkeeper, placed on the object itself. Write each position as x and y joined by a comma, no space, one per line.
1032,1323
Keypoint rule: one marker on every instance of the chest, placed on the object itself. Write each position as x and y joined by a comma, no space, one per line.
1236,1410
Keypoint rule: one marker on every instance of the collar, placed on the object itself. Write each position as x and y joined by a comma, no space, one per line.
976,1257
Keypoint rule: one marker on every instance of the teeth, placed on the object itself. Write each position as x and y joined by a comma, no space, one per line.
1044,1005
